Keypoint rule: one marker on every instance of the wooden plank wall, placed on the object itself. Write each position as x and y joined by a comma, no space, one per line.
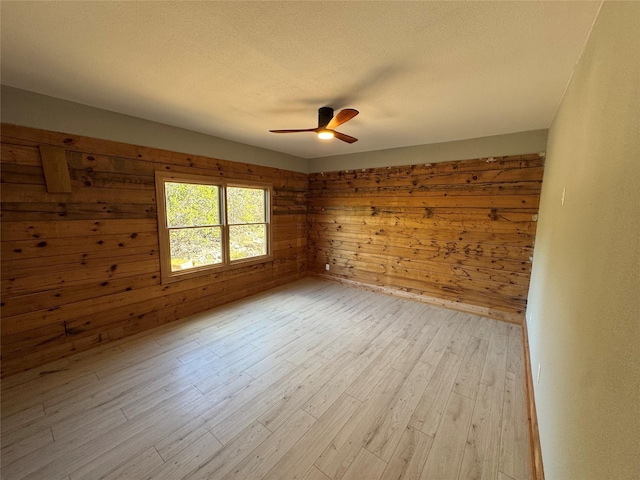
458,234
81,268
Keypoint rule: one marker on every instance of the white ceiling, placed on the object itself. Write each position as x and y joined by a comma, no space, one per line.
418,72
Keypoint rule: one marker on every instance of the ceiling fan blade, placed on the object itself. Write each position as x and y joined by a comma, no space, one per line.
341,117
344,138
294,131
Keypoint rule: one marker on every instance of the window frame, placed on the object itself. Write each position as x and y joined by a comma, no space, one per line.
166,274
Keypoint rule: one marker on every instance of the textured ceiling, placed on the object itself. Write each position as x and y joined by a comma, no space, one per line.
418,72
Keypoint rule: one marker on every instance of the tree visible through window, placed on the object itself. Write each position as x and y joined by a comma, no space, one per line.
193,221
246,213
207,224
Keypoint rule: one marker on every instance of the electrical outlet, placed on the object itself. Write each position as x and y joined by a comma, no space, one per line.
538,377
327,267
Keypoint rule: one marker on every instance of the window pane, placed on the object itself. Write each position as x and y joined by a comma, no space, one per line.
190,205
245,205
195,247
247,241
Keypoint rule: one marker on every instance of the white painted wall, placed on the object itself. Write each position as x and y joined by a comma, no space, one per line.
584,299
20,107
533,141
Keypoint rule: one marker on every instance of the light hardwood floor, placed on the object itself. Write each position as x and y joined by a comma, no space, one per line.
313,381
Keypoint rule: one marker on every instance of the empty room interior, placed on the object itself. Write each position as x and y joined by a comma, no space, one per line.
320,240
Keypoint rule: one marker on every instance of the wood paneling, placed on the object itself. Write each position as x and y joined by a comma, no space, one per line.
459,234
81,269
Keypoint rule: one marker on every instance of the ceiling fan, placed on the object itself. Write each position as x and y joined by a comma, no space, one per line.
327,124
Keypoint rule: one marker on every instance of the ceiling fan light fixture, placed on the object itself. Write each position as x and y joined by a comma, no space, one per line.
325,134
327,124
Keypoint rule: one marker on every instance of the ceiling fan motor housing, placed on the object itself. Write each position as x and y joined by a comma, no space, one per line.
325,114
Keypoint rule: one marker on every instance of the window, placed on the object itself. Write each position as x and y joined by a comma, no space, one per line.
205,224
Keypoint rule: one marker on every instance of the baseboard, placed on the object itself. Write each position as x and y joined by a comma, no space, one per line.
537,471
508,317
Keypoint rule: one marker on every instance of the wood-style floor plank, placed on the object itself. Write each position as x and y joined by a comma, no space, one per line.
17,450
138,466
256,465
365,465
391,426
470,372
284,389
322,400
65,446
364,384
187,460
481,453
309,381
447,450
410,456
301,457
136,440
226,459
337,457
278,413
430,409
515,460
315,474
495,365
22,417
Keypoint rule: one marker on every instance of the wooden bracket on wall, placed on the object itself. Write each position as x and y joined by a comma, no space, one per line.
56,170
